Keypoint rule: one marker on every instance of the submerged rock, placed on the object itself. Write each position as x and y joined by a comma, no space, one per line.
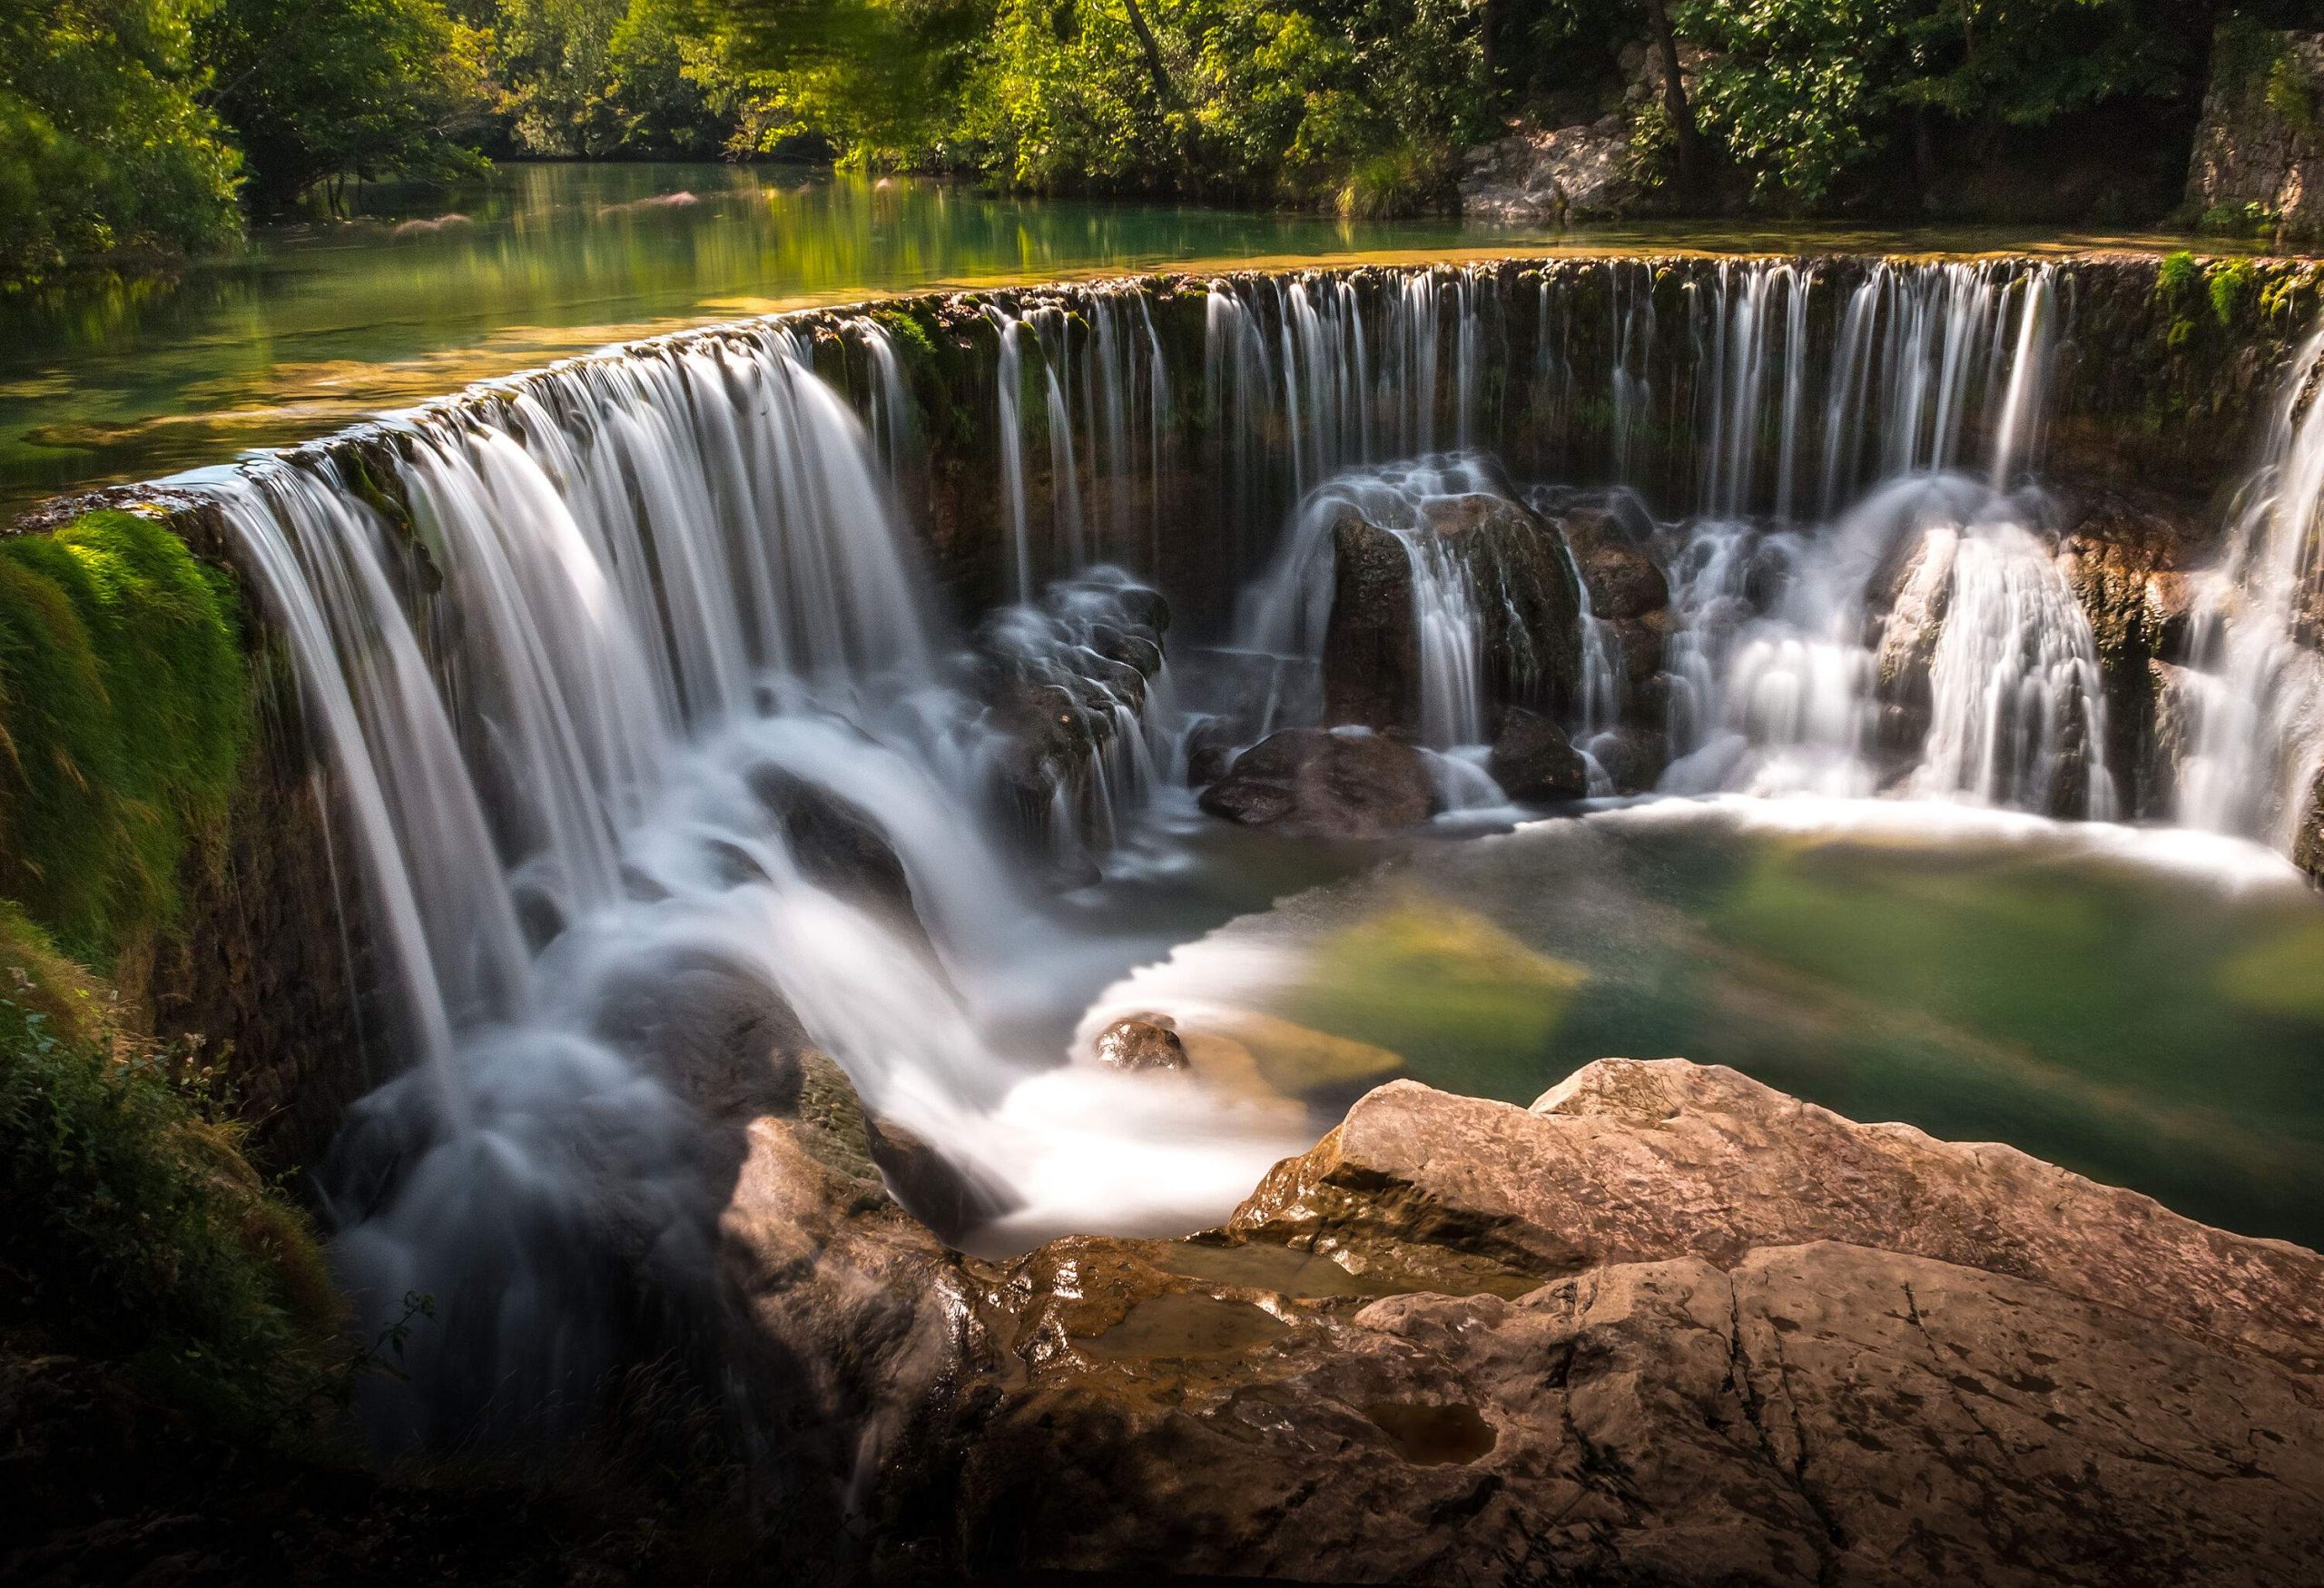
1146,1043
2307,839
1532,759
1317,782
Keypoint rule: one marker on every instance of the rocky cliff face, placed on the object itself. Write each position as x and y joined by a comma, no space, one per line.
2259,149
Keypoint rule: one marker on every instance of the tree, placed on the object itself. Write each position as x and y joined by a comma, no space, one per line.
104,146
1802,90
320,90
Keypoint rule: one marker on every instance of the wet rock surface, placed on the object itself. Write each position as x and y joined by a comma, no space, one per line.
1065,682
2131,562
1319,782
2308,842
1528,610
1532,759
1669,1326
1141,1044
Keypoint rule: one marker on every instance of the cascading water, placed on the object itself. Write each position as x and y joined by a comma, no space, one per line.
643,603
1284,613
656,615
2256,681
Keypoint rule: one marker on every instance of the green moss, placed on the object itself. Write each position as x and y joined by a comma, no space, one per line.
2289,94
137,1230
909,334
2231,287
123,717
2177,275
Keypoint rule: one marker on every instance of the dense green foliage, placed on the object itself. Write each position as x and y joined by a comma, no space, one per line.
597,78
125,709
317,90
1371,101
133,121
136,1229
104,146
1802,89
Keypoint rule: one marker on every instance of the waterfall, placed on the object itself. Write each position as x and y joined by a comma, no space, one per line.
623,633
2256,680
1008,396
1631,294
650,613
2018,715
893,434
1284,612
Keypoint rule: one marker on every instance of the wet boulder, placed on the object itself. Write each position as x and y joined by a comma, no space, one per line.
2307,839
1142,1042
2132,562
1348,783
1667,1325
1632,757
1242,695
1521,589
1904,689
1533,761
1064,680
1623,580
835,844
934,1188
1372,642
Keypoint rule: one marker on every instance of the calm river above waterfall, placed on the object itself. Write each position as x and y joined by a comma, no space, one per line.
321,324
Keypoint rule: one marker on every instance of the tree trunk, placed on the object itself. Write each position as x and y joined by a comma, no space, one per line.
1164,89
1693,171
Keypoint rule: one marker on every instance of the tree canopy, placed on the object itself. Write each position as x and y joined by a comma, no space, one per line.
136,123
105,146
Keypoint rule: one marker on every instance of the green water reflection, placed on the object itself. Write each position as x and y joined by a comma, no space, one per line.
315,326
2140,1026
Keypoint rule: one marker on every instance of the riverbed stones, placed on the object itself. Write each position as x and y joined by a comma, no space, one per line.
1326,782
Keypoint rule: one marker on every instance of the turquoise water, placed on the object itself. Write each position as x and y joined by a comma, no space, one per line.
2145,1007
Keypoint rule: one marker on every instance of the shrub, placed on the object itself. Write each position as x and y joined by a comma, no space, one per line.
136,1229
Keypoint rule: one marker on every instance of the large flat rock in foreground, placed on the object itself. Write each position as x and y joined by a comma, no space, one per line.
1666,1326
